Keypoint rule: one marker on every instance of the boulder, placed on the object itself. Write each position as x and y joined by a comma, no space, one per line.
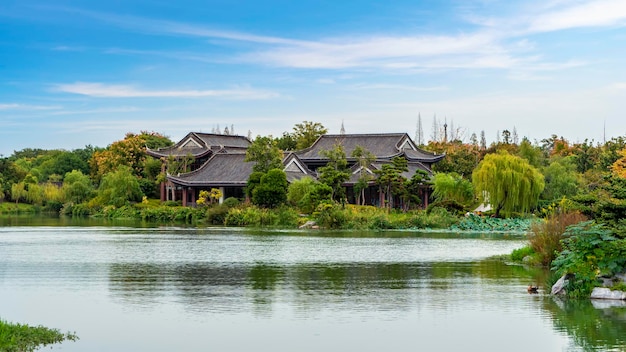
559,287
606,293
309,225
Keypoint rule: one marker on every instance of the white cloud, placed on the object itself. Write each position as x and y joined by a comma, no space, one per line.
100,90
16,106
598,13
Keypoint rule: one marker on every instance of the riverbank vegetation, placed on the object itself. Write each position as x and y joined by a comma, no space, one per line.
25,338
521,180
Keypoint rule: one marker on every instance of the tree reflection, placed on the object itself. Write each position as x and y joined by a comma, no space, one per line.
592,329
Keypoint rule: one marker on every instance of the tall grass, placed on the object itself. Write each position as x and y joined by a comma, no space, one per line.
545,237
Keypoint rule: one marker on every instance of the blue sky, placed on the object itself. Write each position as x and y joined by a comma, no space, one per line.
86,72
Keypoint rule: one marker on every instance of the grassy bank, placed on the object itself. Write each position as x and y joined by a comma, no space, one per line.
24,338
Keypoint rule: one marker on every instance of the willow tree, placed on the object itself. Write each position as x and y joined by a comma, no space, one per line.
507,182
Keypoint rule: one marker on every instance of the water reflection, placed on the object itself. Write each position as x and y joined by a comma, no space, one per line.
193,282
593,329
131,289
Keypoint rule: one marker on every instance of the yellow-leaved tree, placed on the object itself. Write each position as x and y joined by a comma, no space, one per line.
619,166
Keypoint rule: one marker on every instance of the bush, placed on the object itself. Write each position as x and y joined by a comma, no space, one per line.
519,254
545,237
231,202
330,215
589,251
217,215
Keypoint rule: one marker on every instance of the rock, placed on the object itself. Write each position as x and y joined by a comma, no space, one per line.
309,225
559,287
606,293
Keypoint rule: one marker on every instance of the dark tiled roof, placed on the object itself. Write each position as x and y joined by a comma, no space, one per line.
200,144
223,140
382,146
228,168
223,169
412,166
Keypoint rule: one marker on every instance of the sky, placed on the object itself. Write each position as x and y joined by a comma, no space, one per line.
78,72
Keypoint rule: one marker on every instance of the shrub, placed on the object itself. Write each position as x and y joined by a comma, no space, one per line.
330,215
589,250
545,237
217,215
231,202
519,254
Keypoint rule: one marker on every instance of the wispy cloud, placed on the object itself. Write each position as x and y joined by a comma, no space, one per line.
16,106
100,90
600,13
496,43
399,87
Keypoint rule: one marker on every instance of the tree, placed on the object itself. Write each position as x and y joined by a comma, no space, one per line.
307,132
119,187
272,191
460,158
619,166
561,179
414,188
18,191
507,182
335,172
531,153
306,194
364,159
452,187
286,142
390,179
77,187
131,152
265,153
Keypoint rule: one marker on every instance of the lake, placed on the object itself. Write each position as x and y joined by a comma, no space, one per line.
127,288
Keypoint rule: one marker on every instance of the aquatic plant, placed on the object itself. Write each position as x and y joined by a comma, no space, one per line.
24,338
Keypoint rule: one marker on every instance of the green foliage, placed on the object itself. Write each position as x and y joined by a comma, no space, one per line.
266,155
473,222
77,187
307,193
435,218
25,338
460,158
286,142
231,202
531,153
335,172
307,132
130,152
519,254
589,250
272,190
390,179
330,215
262,217
168,214
120,187
453,187
216,215
561,179
507,182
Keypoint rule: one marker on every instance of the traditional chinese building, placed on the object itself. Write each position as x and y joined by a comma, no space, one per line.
217,161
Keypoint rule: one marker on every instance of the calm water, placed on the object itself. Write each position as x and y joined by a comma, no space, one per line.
189,289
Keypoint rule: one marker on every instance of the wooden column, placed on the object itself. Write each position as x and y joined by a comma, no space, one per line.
184,196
